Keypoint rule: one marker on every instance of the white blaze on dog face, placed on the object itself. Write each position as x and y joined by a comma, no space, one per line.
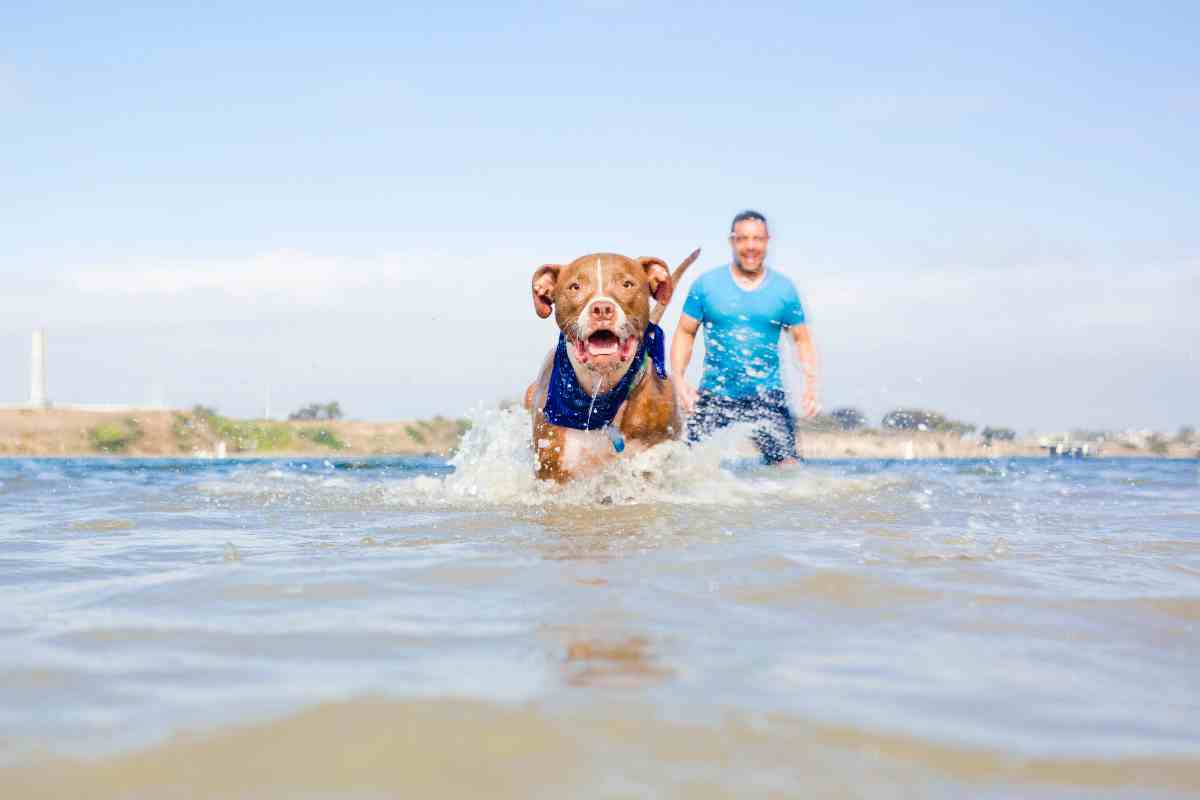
592,316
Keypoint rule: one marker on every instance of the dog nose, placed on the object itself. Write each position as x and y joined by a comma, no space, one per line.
603,310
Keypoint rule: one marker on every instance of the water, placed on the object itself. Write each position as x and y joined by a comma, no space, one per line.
687,625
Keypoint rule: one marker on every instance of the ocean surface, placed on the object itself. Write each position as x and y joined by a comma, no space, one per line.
685,625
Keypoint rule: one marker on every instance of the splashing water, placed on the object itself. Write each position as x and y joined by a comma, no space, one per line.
494,466
592,406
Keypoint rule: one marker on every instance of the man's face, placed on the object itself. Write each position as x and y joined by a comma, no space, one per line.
749,241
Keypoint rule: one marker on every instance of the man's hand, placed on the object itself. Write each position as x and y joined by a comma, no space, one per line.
812,406
806,356
681,352
685,394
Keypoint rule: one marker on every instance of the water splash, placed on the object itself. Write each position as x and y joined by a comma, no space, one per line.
592,407
495,466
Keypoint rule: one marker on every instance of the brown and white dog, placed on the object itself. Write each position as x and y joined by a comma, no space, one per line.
601,303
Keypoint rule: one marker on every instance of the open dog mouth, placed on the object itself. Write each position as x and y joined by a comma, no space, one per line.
605,346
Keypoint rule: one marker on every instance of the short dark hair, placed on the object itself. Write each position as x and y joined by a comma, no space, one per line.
748,214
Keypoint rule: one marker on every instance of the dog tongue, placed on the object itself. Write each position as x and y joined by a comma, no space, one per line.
603,343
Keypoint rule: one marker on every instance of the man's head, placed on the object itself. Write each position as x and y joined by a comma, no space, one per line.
748,237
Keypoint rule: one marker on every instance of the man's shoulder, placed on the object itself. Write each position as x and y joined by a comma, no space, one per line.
712,277
713,273
780,278
778,282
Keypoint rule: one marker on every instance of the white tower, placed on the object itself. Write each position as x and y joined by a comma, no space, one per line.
37,371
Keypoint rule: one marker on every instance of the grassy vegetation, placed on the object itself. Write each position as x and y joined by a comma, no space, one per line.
323,437
204,430
114,437
184,432
204,424
253,436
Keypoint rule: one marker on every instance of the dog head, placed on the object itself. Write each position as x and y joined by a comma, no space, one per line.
601,302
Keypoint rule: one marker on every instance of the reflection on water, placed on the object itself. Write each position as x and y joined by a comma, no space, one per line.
686,624
592,660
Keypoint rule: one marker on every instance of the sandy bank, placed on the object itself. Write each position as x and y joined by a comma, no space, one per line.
64,432
59,432
874,444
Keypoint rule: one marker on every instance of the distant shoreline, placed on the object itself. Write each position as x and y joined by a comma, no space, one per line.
74,433
918,445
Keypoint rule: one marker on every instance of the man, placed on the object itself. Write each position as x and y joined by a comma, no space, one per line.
744,306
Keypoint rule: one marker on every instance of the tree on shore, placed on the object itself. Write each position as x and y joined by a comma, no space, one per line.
991,434
848,419
203,412
919,419
315,411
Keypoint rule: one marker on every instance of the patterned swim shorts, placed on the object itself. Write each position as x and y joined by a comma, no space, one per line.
774,431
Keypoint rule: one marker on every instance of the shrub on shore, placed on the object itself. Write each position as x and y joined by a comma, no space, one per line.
114,437
323,437
204,425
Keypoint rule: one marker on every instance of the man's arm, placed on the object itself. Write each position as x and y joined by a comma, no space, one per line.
806,355
681,353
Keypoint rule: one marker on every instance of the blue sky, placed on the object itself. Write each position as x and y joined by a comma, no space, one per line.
989,211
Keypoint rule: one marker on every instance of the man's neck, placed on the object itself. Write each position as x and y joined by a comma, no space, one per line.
745,278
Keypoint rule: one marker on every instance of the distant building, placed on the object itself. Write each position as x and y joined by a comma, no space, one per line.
39,397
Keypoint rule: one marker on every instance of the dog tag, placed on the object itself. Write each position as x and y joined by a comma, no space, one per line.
614,436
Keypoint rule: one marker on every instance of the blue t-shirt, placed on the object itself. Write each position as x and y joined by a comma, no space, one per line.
741,330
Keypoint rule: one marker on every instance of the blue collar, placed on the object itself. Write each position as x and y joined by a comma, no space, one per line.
568,403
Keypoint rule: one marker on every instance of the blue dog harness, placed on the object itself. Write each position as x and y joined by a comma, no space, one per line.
569,405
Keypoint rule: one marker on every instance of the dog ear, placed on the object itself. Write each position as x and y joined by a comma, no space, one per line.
659,275
544,280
